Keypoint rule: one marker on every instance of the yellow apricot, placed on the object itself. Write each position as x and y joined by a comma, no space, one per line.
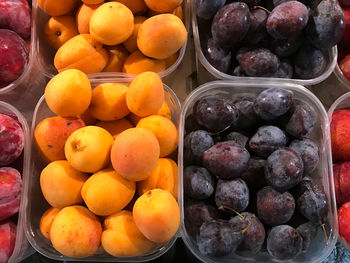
138,63
163,6
46,221
57,8
83,17
92,2
112,23
115,127
68,94
117,56
136,6
145,95
108,102
131,43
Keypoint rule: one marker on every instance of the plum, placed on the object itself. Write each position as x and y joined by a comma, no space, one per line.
11,140
206,9
13,56
16,16
218,57
198,183
257,29
195,144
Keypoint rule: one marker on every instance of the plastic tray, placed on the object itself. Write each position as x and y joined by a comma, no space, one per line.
331,57
27,69
46,53
22,248
37,205
317,251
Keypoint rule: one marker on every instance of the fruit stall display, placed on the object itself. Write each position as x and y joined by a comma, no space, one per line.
116,169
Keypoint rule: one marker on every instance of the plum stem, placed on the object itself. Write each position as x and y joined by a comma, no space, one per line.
248,226
325,235
216,133
222,207
261,7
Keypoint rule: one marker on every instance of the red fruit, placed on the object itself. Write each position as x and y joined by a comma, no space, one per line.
341,172
7,240
340,135
344,66
16,15
345,40
344,221
343,52
11,140
13,56
10,192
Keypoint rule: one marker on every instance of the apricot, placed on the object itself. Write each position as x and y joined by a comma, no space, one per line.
171,60
81,52
161,36
51,135
163,6
87,118
122,238
136,6
164,111
60,29
115,127
178,11
164,176
145,95
88,149
131,43
112,23
57,8
92,2
62,90
135,153
164,130
83,17
46,221
138,63
108,102
116,58
76,232
61,184
106,192
157,215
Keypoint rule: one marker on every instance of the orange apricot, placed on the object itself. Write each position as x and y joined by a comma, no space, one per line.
117,56
92,2
57,8
131,43
163,6
115,127
138,63
87,118
46,221
136,6
83,17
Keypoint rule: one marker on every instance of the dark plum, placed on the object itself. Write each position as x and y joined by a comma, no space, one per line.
226,160
278,2
215,113
308,232
231,24
284,169
273,102
253,233
284,242
232,194
254,175
309,62
191,124
195,144
309,153
274,208
198,213
312,203
287,20
247,116
237,137
198,183
326,25
257,30
218,57
259,62
288,47
266,140
207,9
238,72
302,120
285,70
217,239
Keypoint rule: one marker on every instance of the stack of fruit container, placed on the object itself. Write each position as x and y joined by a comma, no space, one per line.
116,169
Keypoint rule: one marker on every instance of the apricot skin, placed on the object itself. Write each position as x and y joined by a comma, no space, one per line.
117,56
138,63
57,8
83,17
115,127
46,221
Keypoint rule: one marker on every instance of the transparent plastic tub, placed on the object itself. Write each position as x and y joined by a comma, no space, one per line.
46,53
317,251
22,247
203,63
25,76
37,205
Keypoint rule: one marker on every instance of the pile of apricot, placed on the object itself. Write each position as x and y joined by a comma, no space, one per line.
130,36
108,178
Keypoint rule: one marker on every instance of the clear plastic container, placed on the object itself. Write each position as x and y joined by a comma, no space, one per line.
233,90
27,69
36,204
203,63
46,53
22,247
